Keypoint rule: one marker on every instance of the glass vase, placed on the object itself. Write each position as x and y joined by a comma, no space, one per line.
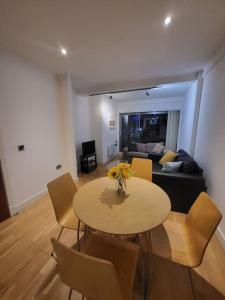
121,189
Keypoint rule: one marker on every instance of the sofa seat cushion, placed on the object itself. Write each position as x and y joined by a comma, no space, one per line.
141,147
137,154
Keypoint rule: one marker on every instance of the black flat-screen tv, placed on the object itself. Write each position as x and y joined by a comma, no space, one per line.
88,148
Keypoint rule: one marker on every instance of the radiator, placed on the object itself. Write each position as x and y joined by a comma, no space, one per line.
111,150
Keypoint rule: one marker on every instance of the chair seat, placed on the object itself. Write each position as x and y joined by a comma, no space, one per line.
70,220
123,255
171,240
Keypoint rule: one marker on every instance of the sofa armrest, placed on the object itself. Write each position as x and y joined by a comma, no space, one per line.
155,156
125,152
183,189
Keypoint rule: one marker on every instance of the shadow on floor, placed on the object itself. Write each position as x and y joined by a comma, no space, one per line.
170,281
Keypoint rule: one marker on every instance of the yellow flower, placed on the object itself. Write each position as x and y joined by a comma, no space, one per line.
121,165
113,172
122,170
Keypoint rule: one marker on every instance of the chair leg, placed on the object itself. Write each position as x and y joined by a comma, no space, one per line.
58,239
78,235
85,233
140,265
192,285
70,294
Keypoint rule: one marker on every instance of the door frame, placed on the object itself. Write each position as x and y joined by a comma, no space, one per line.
4,204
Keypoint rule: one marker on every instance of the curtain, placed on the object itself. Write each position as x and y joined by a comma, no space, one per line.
172,129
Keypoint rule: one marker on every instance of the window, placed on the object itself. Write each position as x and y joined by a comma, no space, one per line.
147,127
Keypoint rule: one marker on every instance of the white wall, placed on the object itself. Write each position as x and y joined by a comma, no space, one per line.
109,136
188,112
81,109
33,113
102,109
67,130
210,140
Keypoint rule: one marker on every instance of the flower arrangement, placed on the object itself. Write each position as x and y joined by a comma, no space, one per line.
121,172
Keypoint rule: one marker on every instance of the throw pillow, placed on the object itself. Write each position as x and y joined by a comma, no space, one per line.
141,147
168,156
172,166
149,147
158,148
189,165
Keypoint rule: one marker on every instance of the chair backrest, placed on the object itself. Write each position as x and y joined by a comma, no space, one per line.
92,277
142,168
202,221
62,191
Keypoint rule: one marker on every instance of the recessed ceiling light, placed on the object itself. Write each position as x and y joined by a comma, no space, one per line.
167,21
63,51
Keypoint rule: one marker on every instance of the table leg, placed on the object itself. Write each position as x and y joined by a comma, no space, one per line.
151,257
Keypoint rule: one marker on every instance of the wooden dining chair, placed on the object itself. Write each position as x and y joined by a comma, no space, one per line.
62,191
105,270
142,168
185,242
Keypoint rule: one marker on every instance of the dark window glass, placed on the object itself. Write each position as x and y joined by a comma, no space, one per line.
142,128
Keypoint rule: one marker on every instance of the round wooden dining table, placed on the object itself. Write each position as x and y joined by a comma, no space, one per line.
144,206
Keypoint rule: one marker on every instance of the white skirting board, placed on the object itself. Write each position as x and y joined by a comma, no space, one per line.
220,237
18,207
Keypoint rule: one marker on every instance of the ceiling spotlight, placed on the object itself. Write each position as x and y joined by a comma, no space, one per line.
63,51
147,93
167,21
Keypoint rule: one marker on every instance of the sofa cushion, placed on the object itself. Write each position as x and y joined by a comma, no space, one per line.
168,156
158,148
137,154
189,166
149,147
155,156
172,166
133,147
141,147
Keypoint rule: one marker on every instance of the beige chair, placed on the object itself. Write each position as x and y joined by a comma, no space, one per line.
142,168
62,191
105,270
185,242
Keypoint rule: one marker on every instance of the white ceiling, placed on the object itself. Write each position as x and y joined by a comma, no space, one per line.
164,91
114,44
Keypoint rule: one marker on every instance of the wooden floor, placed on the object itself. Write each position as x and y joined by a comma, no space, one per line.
25,259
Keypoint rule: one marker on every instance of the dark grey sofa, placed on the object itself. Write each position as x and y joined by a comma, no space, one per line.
182,188
130,152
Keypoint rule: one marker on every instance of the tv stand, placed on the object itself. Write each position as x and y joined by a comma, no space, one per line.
88,162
